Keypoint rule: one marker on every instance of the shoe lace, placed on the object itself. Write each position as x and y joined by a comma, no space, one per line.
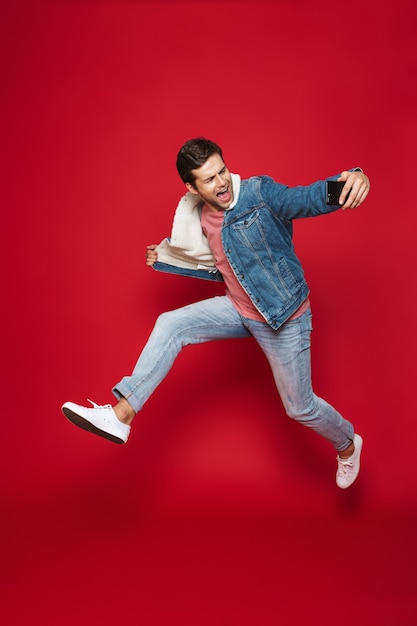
99,406
345,465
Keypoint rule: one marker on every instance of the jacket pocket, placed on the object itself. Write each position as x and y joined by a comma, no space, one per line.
247,221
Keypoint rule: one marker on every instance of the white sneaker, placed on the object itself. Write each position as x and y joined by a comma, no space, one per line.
100,420
348,469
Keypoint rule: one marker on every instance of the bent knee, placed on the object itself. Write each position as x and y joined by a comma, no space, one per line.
301,412
166,320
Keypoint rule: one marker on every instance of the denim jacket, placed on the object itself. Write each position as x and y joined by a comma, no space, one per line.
257,240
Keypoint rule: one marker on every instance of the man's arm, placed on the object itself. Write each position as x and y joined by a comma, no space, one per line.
310,200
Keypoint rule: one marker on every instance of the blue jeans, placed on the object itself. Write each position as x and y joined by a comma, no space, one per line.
287,350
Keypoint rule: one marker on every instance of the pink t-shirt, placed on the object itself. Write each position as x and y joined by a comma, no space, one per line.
212,222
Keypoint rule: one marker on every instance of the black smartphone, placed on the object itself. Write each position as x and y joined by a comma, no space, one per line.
333,191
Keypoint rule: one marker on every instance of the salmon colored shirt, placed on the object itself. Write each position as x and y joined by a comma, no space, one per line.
212,222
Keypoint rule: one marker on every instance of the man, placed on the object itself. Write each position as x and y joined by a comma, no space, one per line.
240,232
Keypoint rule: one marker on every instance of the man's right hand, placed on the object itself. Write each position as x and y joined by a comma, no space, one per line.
151,254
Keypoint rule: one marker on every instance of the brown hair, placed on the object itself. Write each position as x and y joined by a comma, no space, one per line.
193,154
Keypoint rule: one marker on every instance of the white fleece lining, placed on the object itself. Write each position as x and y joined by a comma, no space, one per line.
188,247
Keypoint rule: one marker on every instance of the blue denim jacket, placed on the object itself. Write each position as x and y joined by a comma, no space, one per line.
257,240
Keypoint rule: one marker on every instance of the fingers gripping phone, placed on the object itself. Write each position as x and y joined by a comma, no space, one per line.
333,191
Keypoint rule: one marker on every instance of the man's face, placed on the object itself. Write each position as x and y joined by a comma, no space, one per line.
213,183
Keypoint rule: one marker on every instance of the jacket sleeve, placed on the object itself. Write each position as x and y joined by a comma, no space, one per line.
175,260
296,202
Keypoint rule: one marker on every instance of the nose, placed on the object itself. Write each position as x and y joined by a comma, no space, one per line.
221,180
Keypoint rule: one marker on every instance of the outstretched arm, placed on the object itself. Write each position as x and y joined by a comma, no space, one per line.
310,200
357,183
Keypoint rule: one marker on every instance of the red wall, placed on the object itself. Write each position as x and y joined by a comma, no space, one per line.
97,99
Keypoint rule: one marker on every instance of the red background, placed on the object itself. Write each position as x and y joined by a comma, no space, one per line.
220,511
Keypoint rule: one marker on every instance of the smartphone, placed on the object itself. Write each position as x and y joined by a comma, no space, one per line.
333,191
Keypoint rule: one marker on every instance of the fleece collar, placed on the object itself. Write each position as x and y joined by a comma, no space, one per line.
188,245
186,227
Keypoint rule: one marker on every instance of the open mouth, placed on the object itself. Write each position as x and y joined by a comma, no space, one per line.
224,196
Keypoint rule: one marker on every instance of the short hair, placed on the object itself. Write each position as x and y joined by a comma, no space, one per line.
193,154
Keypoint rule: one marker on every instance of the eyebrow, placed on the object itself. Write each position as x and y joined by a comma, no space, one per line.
206,180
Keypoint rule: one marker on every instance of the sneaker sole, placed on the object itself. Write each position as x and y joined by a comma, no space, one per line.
81,422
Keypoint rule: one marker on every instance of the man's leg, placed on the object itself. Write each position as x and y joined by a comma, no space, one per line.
288,353
208,320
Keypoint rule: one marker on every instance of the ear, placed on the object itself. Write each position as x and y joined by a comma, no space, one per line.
191,188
